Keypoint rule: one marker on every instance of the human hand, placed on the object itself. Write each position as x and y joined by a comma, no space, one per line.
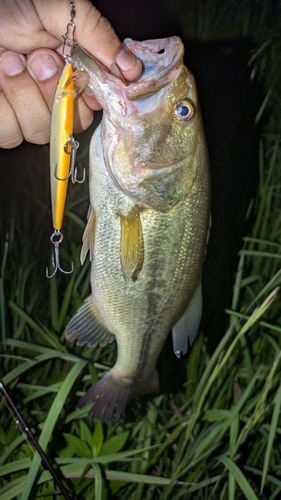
33,28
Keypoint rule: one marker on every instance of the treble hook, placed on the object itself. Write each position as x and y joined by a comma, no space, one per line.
70,148
74,145
55,256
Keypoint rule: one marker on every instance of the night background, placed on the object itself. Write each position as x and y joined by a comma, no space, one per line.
216,423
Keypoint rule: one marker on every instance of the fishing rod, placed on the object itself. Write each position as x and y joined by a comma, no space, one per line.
31,438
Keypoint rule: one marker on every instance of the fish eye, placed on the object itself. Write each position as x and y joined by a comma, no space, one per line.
184,110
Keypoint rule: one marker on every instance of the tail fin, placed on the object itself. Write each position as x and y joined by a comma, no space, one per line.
110,394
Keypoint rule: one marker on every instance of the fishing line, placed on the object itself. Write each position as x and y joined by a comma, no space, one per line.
21,424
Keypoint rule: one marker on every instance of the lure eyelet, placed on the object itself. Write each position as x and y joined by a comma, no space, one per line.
184,110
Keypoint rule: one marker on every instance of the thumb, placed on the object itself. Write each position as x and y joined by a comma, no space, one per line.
92,31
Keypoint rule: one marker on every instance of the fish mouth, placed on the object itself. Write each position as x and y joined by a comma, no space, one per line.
159,58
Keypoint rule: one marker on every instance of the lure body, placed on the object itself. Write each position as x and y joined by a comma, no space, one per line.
63,150
60,151
62,144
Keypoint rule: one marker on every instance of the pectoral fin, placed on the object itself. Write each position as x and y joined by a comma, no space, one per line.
88,237
185,329
131,244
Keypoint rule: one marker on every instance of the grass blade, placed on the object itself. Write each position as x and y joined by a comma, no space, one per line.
239,477
271,436
50,424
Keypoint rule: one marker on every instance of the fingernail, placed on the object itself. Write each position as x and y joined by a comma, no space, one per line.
43,67
12,65
126,60
88,91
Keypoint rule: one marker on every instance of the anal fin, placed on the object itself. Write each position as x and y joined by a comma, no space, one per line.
185,330
86,328
131,247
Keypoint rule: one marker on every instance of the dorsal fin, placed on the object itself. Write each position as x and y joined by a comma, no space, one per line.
131,247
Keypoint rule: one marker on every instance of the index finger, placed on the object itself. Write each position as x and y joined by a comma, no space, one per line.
92,31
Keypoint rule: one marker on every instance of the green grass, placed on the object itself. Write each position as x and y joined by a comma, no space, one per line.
218,436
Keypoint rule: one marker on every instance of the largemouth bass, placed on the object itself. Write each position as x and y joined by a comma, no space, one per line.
148,219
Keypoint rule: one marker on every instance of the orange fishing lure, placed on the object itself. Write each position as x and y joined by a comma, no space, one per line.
63,146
